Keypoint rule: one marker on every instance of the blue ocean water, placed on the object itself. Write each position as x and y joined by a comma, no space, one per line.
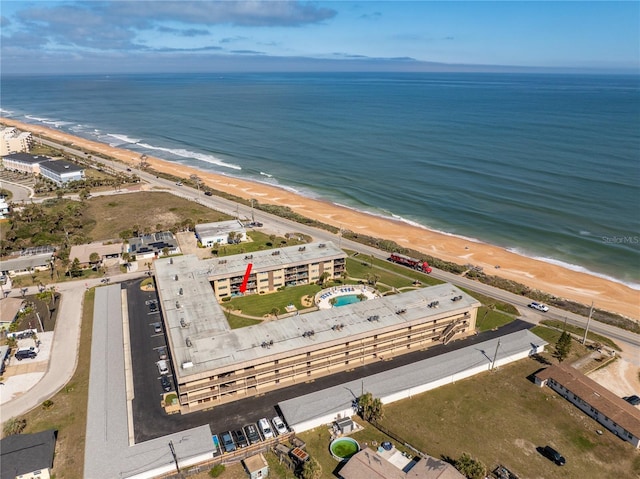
544,165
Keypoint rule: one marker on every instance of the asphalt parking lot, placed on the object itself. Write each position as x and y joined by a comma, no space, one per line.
150,420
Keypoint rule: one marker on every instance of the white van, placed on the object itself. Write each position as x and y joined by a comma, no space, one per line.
263,424
163,366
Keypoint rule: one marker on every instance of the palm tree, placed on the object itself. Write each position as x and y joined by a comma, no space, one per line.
275,311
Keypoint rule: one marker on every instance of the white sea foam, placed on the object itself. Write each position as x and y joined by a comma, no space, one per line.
577,268
5,112
123,138
49,121
192,155
266,174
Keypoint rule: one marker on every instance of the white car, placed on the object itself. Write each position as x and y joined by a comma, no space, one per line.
263,424
539,306
279,426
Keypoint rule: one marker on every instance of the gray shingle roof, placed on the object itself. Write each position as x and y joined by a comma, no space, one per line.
24,453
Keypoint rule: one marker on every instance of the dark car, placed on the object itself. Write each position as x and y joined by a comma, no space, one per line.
633,400
26,353
153,307
166,384
240,438
251,431
227,442
554,455
208,193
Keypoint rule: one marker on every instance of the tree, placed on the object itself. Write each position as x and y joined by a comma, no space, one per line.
275,311
94,258
75,270
470,467
311,469
84,194
323,277
370,408
563,346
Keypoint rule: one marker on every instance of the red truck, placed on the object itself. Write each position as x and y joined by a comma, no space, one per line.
410,262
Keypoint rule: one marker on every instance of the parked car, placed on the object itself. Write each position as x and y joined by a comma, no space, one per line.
252,433
153,307
166,384
26,353
278,425
539,306
633,400
227,442
162,353
265,428
163,366
157,328
554,455
240,438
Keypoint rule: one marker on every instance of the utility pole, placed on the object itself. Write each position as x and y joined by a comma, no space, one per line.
495,355
586,330
175,458
253,220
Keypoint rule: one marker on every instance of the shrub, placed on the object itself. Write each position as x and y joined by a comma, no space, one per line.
216,470
14,426
48,404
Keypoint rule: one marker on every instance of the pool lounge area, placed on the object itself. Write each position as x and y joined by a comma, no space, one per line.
344,295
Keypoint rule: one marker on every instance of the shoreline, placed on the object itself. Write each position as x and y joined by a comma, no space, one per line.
535,273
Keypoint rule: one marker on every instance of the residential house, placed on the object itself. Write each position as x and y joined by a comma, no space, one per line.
27,456
221,232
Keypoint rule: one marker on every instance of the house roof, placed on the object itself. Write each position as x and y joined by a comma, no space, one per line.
597,396
9,308
219,228
26,158
60,166
367,464
152,243
26,262
255,463
83,251
24,453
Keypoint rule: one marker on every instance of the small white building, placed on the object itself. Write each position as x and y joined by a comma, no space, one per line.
25,264
4,209
61,172
104,250
221,232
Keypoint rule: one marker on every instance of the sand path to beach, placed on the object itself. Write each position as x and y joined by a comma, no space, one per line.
559,281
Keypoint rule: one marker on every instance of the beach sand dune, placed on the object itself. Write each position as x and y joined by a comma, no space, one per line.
553,279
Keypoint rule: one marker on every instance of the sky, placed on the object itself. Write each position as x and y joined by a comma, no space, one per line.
207,36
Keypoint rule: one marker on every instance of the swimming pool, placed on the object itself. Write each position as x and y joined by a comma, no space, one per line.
347,299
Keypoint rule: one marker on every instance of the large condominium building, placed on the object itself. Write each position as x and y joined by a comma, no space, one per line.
61,172
14,141
214,364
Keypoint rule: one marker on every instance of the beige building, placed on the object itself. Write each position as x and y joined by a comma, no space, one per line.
24,162
214,364
14,141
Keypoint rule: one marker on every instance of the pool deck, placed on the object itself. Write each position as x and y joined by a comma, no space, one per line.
323,297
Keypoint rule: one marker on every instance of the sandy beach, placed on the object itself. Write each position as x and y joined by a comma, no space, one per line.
553,279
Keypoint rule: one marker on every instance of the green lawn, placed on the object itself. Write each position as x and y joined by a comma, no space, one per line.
260,241
580,332
261,304
501,417
488,319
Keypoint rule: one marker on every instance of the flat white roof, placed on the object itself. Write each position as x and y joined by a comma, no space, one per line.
339,398
200,337
220,228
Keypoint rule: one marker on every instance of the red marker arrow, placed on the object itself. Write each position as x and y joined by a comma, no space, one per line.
243,286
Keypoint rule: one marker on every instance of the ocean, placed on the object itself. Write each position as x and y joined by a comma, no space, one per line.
547,166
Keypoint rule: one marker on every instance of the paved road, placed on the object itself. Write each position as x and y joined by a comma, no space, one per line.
18,192
64,348
65,343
